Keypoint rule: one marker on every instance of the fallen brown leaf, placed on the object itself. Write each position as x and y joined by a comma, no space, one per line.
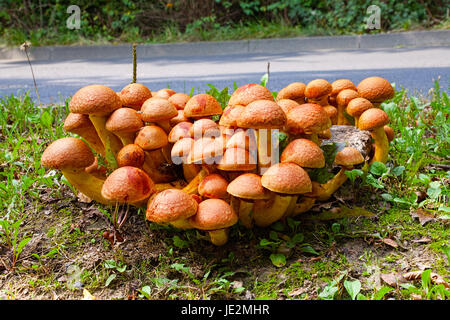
83,198
435,278
423,240
423,216
393,279
390,242
297,292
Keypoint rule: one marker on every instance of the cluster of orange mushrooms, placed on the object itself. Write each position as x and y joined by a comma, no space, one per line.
193,164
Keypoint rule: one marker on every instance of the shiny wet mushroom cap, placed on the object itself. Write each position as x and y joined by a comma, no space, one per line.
248,93
286,178
95,99
171,205
134,95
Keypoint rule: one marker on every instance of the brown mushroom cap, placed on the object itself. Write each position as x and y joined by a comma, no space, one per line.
202,105
179,131
357,106
171,205
245,139
286,178
124,120
214,214
345,96
206,150
181,150
77,122
237,159
95,99
230,115
164,93
213,186
157,109
304,153
128,185
348,157
134,95
373,118
67,153
308,118
317,88
248,186
131,155
204,128
294,91
180,117
262,114
375,89
179,100
287,104
249,93
339,85
151,138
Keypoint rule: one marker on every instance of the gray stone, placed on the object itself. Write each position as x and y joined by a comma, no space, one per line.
351,136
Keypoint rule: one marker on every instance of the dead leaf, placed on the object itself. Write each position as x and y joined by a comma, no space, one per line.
423,216
390,242
297,292
88,296
83,198
435,278
423,240
416,296
393,279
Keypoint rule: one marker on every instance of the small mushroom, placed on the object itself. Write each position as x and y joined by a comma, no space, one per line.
81,125
317,91
374,121
202,106
337,86
159,111
286,180
357,106
248,93
172,206
179,100
131,155
213,186
72,156
247,189
215,216
98,102
294,91
164,93
267,118
128,185
133,95
376,90
342,100
124,123
346,158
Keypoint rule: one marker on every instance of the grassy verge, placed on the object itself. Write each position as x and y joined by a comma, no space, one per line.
388,221
200,30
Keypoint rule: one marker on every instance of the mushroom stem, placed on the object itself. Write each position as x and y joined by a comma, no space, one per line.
87,184
218,237
342,120
127,138
165,125
267,212
192,187
266,150
150,167
244,213
381,144
106,136
190,171
181,224
332,185
304,205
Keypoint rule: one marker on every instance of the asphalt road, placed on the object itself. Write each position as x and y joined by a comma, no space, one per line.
411,68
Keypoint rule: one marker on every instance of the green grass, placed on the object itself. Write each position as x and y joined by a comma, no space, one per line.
204,29
44,229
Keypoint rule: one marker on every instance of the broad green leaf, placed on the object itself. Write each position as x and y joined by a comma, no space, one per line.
278,259
382,292
264,79
378,168
179,243
309,249
328,292
353,288
353,174
397,171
